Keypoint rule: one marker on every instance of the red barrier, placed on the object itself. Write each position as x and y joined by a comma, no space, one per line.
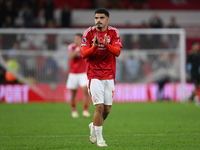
124,92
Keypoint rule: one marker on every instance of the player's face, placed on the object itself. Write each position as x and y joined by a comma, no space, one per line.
195,47
101,22
77,40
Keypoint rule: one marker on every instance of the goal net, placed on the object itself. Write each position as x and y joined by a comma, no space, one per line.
150,59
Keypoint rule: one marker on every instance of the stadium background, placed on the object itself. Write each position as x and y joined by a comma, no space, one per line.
49,14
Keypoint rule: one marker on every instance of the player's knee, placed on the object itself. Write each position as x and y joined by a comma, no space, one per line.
106,112
85,90
99,108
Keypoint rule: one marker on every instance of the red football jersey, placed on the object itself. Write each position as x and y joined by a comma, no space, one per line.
77,64
101,64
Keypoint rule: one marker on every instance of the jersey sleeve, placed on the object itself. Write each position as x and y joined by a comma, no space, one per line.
116,41
86,39
70,48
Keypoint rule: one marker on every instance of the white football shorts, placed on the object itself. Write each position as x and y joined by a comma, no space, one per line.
76,79
101,91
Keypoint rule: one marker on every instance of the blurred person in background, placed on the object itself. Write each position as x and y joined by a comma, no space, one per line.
77,76
193,70
28,64
101,44
119,67
51,38
8,22
9,10
14,51
48,6
173,38
145,40
127,38
132,66
156,22
50,71
28,17
34,6
14,66
66,17
160,67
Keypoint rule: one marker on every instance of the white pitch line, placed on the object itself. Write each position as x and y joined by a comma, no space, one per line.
127,135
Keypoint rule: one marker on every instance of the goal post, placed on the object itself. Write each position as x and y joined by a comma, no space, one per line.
147,56
180,49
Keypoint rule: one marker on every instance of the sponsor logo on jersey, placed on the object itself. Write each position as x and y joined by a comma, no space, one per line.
84,39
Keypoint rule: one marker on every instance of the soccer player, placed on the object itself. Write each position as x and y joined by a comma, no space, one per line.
101,45
193,68
77,76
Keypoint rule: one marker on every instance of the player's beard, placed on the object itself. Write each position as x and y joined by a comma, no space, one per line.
98,27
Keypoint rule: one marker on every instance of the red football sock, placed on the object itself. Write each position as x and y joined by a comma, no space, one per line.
85,107
73,106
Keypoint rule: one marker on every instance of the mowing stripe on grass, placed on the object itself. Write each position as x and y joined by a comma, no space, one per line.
60,136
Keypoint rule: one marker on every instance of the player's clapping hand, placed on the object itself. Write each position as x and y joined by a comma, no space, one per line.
105,41
95,40
78,49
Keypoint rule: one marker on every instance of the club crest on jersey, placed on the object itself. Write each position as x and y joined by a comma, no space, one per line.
84,39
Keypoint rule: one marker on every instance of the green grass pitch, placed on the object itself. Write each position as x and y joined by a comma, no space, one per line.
130,126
